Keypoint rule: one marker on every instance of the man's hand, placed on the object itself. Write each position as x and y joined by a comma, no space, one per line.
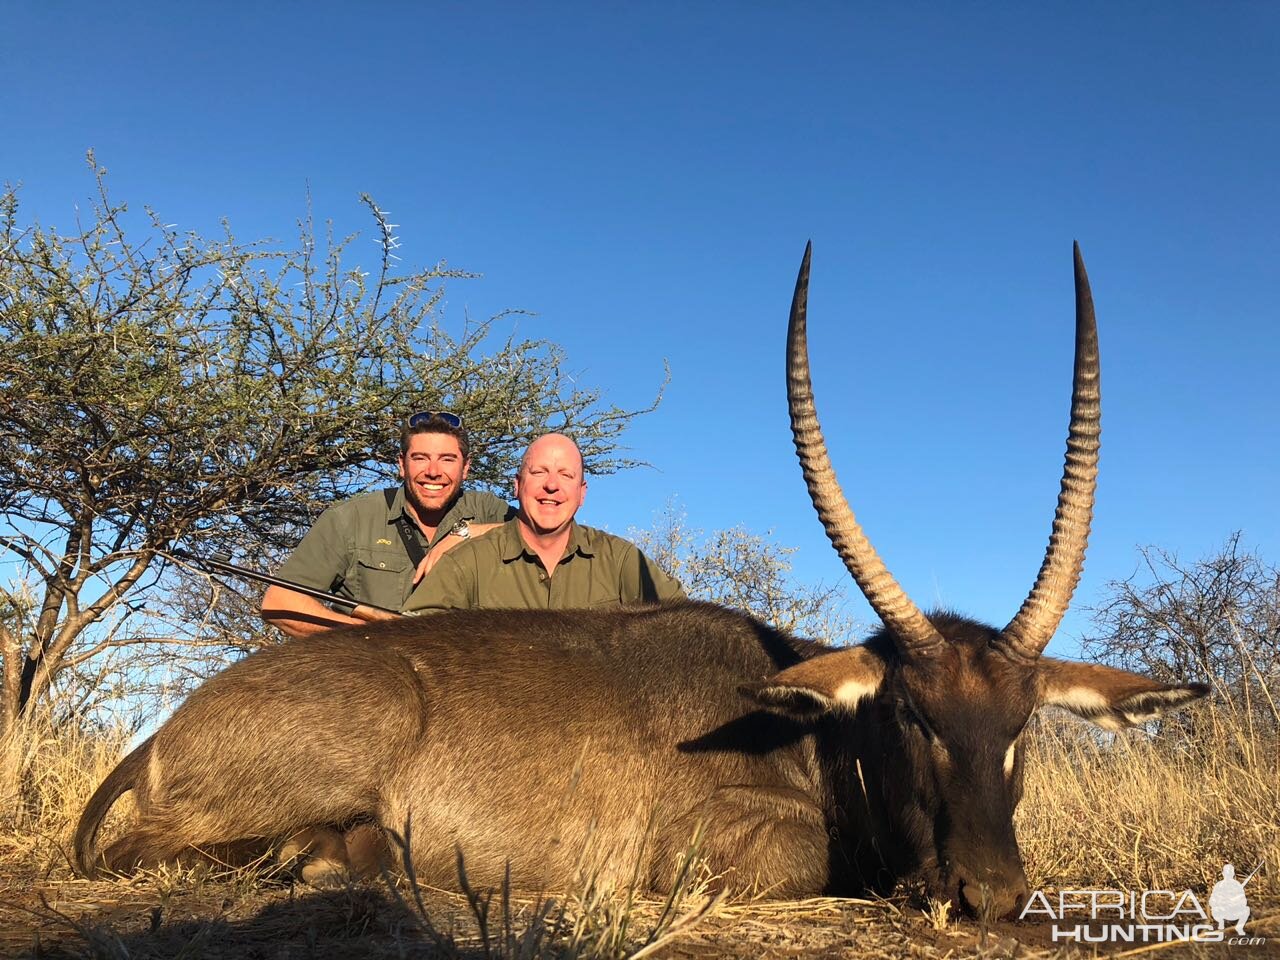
448,543
372,615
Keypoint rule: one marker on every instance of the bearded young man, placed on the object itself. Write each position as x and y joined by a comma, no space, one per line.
374,548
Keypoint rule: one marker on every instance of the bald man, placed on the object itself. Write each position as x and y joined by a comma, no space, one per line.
544,559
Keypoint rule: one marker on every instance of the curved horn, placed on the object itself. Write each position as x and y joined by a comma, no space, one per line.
1029,631
915,634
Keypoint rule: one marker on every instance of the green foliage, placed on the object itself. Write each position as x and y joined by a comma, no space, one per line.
159,386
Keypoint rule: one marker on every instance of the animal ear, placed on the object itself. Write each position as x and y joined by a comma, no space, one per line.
1111,698
828,683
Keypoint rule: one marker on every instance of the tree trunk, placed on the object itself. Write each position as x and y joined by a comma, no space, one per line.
11,681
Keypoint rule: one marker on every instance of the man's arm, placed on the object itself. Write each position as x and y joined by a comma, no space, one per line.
492,509
451,585
448,543
319,560
643,581
297,615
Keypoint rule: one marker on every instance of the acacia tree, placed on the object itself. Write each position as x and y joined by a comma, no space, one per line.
160,387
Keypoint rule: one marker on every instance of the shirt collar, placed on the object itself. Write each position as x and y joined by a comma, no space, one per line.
512,545
581,541
396,509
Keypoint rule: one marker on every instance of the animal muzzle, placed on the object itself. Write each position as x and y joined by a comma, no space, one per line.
992,892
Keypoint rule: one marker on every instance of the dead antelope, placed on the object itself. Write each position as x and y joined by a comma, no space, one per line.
529,737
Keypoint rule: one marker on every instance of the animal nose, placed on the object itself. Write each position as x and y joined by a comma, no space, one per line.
993,896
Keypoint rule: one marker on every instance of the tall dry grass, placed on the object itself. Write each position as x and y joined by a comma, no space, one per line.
47,773
1133,811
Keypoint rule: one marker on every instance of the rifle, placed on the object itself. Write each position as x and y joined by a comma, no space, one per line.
221,563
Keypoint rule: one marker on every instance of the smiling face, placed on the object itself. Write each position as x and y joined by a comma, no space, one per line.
433,469
550,485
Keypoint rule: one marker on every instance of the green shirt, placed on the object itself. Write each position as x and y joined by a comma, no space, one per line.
355,549
498,571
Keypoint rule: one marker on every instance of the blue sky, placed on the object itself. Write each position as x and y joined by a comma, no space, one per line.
643,178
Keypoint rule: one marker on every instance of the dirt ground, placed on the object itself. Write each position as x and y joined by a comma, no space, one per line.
244,916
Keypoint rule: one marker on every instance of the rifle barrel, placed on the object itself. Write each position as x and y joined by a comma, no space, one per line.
226,566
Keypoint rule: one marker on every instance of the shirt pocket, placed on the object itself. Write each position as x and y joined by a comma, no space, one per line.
602,593
383,576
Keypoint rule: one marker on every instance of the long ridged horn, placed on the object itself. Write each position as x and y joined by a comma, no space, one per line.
1029,631
915,634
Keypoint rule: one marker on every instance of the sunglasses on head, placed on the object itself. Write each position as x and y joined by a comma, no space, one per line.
421,419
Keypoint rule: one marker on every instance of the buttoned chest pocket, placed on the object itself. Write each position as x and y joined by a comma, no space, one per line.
383,577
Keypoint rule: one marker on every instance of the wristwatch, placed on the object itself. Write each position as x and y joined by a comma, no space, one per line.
461,530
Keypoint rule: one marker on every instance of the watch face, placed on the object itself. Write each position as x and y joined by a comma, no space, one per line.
461,529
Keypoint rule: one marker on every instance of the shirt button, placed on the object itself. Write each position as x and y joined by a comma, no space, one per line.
382,566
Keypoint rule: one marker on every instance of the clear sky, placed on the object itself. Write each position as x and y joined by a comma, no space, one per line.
643,177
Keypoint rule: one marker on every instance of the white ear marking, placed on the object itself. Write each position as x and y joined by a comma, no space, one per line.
803,701
1137,719
1090,704
1083,699
852,692
1113,699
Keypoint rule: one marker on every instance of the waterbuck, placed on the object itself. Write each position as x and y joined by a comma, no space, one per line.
553,739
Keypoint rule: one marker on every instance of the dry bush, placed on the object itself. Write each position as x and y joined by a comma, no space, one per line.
746,571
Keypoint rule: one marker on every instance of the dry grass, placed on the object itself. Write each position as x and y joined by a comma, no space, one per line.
1139,812
595,920
46,776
